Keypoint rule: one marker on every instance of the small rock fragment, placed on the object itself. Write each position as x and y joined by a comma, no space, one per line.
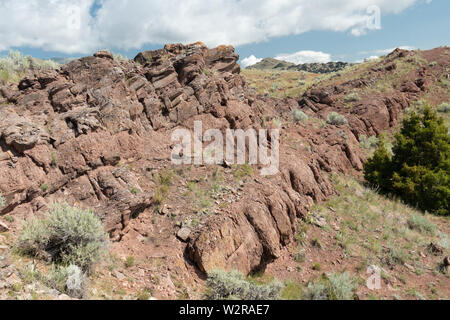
104,54
184,234
3,227
165,210
435,249
119,275
410,267
320,222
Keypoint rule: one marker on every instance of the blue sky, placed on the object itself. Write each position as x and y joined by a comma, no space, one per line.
422,26
304,31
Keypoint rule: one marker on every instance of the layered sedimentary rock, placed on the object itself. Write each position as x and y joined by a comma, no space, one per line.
65,134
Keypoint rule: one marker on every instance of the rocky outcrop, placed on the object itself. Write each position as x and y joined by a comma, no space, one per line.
279,65
74,134
65,132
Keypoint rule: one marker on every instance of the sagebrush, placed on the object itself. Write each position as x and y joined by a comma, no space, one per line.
68,235
336,119
68,279
421,223
337,286
444,108
233,285
352,97
299,116
368,142
14,66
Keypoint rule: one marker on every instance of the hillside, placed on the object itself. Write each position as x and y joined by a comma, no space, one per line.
271,64
96,133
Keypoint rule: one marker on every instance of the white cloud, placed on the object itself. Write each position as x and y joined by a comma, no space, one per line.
58,25
249,61
375,54
67,26
305,56
387,51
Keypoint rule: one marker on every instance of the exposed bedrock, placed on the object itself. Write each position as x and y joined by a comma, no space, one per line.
66,135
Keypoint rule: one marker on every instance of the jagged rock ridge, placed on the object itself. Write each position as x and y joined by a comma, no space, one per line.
279,65
65,133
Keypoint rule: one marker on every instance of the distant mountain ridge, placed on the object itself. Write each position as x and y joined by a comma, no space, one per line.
274,64
63,60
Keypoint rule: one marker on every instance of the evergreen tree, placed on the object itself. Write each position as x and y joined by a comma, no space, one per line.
419,170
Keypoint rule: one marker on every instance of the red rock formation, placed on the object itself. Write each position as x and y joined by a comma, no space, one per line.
63,133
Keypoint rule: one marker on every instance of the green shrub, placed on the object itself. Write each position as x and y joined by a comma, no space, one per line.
45,187
444,108
129,262
163,180
336,119
277,122
57,278
376,169
317,291
70,280
274,87
15,66
342,286
54,160
292,291
419,169
68,235
242,171
34,237
352,97
337,286
302,233
421,223
233,285
119,57
368,143
394,255
144,295
299,116
300,256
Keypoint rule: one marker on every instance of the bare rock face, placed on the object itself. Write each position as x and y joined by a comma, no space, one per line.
65,131
261,224
20,133
184,234
73,134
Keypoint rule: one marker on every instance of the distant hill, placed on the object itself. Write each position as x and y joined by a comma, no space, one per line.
271,64
63,60
274,64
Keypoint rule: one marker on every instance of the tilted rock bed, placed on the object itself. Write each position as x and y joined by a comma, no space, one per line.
65,135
